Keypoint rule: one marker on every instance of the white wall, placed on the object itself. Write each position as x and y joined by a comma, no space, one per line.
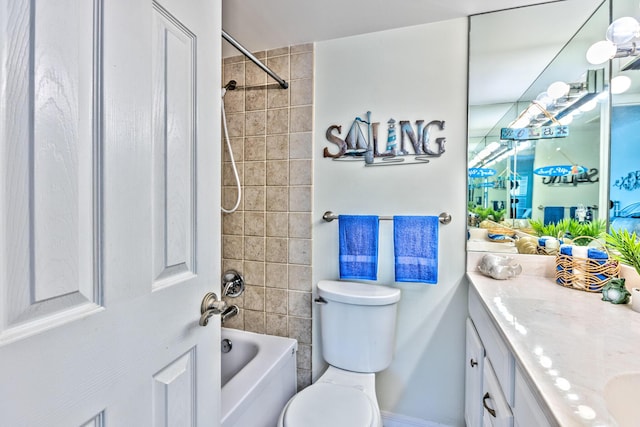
408,74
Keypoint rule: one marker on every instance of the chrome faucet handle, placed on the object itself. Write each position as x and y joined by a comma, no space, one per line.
232,284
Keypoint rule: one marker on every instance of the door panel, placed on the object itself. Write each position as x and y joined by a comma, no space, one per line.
109,212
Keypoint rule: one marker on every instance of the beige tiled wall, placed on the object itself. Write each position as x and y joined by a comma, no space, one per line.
269,238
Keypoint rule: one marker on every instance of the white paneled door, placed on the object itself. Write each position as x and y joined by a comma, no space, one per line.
109,212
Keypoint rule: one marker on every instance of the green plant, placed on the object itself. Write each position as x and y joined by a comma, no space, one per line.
569,227
488,213
625,247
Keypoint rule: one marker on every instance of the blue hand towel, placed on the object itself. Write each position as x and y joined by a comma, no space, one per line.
358,246
553,214
601,258
561,277
415,246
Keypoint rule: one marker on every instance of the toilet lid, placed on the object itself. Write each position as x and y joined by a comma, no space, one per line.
323,404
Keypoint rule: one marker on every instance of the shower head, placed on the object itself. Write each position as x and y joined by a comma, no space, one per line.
231,85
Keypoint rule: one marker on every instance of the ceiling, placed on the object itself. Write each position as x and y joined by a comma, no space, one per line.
261,25
267,24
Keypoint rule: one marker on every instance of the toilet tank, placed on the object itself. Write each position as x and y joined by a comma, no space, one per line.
357,325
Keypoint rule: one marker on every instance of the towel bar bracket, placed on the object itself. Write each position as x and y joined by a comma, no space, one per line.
444,217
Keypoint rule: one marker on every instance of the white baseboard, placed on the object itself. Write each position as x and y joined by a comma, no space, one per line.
396,420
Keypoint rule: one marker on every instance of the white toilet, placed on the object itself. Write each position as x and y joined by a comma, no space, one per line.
357,327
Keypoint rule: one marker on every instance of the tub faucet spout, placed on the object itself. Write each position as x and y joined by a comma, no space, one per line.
229,312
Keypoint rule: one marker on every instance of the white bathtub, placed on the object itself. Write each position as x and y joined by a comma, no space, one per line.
258,378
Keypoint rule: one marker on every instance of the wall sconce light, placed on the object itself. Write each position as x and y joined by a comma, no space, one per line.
621,41
561,101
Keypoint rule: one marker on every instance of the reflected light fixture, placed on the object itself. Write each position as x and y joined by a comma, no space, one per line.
620,84
621,41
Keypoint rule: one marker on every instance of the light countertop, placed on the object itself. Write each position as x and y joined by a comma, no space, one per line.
568,342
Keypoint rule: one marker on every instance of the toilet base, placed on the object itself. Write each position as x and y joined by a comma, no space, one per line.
365,382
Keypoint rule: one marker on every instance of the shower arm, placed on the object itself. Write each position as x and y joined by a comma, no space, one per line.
255,60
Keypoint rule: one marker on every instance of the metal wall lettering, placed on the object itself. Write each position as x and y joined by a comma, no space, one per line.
416,145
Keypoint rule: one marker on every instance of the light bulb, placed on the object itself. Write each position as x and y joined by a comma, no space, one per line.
620,84
623,30
588,106
558,90
600,52
566,119
544,99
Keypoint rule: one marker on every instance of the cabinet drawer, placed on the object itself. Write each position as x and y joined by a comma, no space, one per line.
494,346
497,412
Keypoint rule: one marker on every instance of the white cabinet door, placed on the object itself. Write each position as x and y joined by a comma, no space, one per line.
496,407
109,212
474,362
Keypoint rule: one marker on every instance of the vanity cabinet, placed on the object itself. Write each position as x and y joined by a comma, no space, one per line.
496,394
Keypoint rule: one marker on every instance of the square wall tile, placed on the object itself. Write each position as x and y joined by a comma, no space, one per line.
235,124
301,119
301,145
277,121
254,148
254,321
237,146
299,251
277,199
300,172
255,99
277,147
255,123
230,198
233,223
300,199
277,224
254,173
300,225
302,65
303,356
276,324
276,275
276,301
301,92
254,75
254,224
232,247
300,278
299,48
277,97
253,273
299,304
278,52
278,172
254,248
300,329
254,198
279,65
254,298
228,175
233,101
277,250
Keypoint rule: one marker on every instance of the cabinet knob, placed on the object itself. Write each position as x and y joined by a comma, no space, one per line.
473,363
484,403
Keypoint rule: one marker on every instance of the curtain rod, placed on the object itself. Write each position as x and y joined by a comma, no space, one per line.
245,52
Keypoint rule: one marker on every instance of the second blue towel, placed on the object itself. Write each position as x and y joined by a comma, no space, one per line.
415,243
358,246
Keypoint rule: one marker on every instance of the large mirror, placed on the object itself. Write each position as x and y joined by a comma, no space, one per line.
538,145
624,180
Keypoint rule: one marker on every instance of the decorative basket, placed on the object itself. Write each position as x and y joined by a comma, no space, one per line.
504,231
585,274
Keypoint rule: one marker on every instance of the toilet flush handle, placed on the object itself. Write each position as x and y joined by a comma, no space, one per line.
320,300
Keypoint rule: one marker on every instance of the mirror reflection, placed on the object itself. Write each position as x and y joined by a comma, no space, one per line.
538,147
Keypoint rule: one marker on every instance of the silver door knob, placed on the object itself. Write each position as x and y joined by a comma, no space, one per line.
210,305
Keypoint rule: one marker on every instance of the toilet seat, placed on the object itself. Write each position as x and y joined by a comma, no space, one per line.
324,404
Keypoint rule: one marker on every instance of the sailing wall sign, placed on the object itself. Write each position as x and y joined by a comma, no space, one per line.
361,142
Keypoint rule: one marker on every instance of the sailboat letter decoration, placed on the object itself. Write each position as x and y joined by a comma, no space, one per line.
361,142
